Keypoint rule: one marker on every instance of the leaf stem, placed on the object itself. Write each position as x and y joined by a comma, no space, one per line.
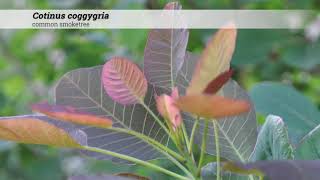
137,161
159,121
203,146
216,138
238,154
185,135
194,128
151,141
156,118
167,131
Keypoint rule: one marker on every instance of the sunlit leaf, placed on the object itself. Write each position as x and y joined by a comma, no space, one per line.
82,89
68,113
215,85
298,112
214,60
279,170
212,106
164,53
123,81
273,141
238,134
33,129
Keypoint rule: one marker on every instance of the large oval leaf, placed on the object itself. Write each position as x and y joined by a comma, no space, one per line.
33,129
309,147
123,81
302,54
254,46
299,114
214,60
82,89
279,170
238,134
273,141
164,53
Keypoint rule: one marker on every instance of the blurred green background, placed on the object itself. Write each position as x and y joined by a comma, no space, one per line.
32,60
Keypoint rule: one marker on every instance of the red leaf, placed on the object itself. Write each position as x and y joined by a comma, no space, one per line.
215,85
212,106
67,113
123,81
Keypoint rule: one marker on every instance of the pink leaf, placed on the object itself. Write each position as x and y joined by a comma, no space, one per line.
167,108
123,81
68,113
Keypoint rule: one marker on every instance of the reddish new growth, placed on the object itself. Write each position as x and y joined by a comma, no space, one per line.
67,113
167,108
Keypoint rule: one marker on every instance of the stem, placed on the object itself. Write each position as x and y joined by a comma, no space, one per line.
137,161
153,142
193,132
203,146
185,135
161,148
156,118
186,171
216,138
261,177
172,137
240,157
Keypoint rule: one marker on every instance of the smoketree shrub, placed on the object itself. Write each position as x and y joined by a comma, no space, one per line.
180,107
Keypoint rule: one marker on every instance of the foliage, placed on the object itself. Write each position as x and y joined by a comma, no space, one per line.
28,73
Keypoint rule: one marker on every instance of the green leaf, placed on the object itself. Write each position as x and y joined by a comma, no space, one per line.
208,172
6,146
82,89
309,147
273,141
279,169
99,177
299,114
238,134
255,46
302,54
